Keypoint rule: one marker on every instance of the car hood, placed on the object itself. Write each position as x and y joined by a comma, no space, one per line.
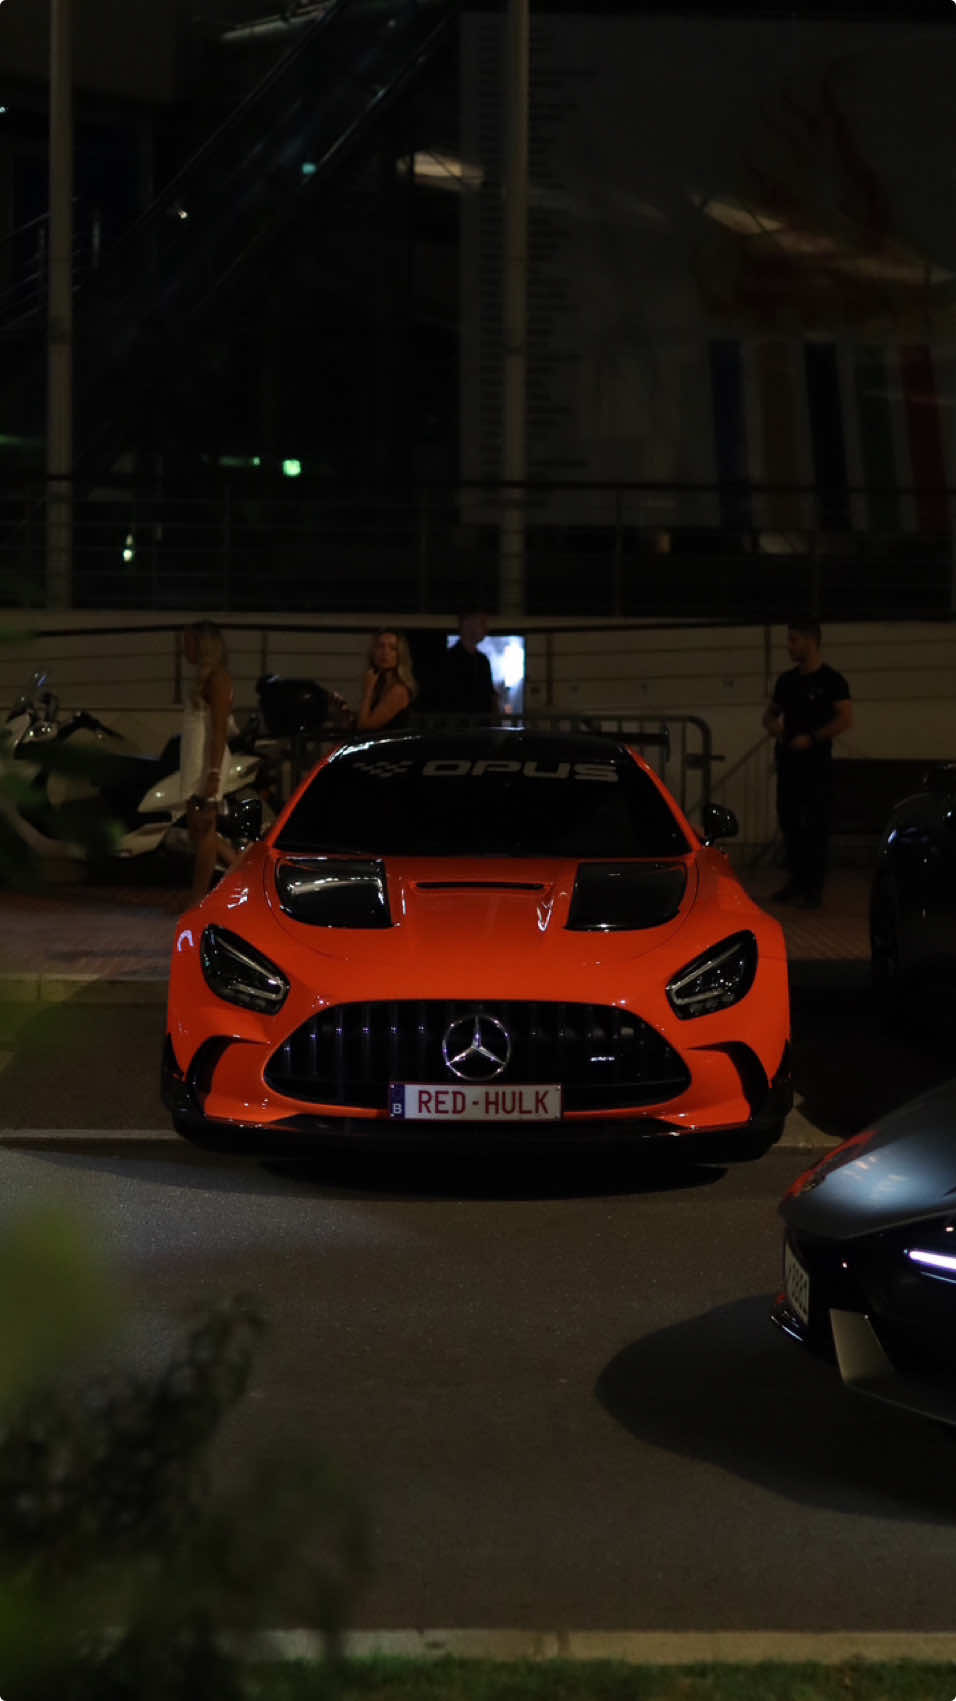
470,914
901,1171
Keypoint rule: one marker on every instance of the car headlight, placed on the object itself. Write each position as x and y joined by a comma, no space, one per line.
716,979
239,973
930,1246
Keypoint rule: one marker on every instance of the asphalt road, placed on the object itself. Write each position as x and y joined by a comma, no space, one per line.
558,1396
554,1388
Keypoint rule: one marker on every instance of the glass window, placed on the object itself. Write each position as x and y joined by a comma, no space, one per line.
505,794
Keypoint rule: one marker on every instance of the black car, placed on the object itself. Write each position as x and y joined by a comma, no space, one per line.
913,897
870,1258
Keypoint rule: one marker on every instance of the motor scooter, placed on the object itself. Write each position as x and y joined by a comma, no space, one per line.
141,794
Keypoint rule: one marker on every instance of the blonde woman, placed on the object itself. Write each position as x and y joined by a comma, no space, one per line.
206,715
390,684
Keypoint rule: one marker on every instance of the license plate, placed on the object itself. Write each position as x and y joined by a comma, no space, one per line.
796,1283
418,1102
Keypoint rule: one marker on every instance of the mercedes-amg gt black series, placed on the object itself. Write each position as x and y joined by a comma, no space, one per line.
495,934
870,1258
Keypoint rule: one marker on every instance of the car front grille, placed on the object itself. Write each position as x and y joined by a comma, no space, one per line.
605,1058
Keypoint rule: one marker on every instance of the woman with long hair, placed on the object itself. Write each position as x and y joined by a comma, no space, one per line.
206,712
390,684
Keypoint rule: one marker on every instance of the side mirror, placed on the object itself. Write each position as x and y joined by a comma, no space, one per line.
248,819
718,823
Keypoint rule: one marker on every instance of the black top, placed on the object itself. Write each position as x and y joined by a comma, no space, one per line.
465,686
383,684
807,701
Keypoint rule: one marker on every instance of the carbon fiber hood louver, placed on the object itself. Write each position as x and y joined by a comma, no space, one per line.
621,897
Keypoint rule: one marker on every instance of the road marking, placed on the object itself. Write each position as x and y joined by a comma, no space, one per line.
634,1647
93,1136
802,1138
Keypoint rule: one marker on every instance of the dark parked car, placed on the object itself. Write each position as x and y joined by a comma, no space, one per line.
870,1258
913,900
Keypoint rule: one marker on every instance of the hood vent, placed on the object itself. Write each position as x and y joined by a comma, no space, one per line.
626,897
479,885
334,892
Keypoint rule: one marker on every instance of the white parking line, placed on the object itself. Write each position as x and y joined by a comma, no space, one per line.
799,1134
77,1136
635,1647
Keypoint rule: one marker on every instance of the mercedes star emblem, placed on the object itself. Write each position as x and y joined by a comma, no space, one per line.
476,1048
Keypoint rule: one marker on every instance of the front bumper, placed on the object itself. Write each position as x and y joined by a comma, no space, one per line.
296,1135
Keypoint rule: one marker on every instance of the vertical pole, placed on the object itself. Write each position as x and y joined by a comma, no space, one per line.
59,435
423,549
514,444
617,590
226,542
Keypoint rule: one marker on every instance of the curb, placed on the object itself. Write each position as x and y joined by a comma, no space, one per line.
633,1647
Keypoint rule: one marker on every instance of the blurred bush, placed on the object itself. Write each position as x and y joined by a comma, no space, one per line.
129,1557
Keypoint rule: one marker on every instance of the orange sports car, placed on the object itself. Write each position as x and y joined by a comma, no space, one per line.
495,935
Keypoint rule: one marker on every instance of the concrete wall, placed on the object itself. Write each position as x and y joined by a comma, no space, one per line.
902,677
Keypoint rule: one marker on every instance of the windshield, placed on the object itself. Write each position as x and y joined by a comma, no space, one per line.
506,794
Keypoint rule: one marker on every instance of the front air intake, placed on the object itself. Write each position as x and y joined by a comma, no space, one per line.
605,1058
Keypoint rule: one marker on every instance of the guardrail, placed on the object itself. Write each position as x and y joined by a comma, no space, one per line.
748,788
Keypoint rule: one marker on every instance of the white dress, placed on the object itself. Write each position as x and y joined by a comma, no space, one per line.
195,755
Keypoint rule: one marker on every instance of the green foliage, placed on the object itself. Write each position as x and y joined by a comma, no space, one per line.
123,1557
118,1469
604,1680
45,1257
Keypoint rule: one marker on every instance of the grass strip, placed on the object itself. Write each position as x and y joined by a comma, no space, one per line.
392,1679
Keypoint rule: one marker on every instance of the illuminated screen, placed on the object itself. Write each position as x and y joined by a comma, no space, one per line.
506,655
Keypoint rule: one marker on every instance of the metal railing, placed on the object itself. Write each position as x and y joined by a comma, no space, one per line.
601,552
24,266
678,746
748,788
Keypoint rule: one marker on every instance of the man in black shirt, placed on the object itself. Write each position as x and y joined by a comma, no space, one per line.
465,686
810,707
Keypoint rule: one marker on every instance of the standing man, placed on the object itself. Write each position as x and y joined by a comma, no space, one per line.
810,707
465,685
